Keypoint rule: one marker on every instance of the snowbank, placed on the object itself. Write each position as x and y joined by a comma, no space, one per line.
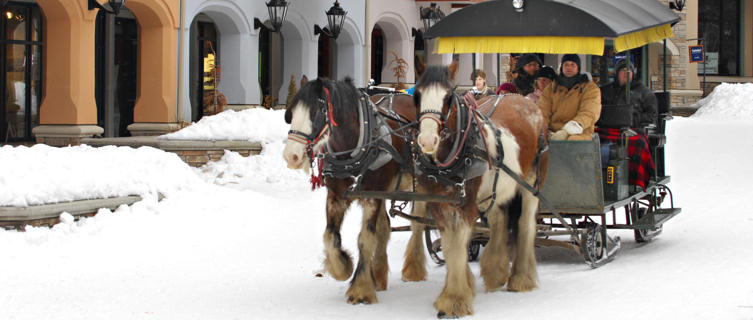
733,101
42,174
254,124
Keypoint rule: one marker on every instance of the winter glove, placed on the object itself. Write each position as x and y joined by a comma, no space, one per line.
559,135
573,127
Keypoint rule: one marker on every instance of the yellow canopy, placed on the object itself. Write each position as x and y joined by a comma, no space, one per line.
551,45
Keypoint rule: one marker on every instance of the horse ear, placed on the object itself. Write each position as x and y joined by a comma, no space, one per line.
304,80
318,85
453,69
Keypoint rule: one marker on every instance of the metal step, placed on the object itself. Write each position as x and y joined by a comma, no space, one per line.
657,219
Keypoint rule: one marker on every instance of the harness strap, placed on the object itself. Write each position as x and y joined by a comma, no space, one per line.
329,107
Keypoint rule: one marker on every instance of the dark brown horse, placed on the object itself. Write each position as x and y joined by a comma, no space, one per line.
324,118
515,134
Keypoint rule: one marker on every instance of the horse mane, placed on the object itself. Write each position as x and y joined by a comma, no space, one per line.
435,74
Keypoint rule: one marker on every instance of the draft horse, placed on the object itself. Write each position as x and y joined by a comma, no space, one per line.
513,136
327,120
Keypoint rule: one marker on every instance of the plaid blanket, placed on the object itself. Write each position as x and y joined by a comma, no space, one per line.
641,165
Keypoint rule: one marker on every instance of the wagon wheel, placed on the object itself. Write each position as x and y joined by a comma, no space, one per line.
434,245
594,246
645,235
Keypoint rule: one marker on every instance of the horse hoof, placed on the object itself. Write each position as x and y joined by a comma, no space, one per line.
444,315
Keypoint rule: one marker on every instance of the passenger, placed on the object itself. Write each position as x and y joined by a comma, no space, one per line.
526,67
644,110
544,78
642,100
506,88
571,105
479,89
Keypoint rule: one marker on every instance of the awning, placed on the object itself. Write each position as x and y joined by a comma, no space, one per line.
553,26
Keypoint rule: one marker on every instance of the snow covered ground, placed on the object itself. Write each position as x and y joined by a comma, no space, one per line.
241,239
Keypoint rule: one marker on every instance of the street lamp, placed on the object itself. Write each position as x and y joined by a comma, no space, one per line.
677,5
430,16
115,6
277,11
335,19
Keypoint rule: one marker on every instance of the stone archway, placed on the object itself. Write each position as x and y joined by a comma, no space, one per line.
156,107
349,53
299,56
397,40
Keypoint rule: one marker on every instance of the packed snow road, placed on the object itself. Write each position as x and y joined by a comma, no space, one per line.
243,241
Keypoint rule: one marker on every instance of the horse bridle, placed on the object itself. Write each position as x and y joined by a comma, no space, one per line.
319,127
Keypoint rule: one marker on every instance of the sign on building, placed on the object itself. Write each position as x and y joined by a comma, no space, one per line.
697,53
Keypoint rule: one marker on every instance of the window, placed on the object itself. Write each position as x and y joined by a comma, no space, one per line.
21,60
719,26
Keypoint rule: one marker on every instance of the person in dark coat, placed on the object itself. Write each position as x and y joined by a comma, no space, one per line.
642,100
644,109
527,66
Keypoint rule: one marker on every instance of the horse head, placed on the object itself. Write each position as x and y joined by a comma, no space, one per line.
434,98
323,113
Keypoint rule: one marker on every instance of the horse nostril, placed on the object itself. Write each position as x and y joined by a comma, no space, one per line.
294,158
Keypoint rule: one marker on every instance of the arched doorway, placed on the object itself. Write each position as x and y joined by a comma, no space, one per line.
116,71
205,65
270,65
21,61
326,52
377,54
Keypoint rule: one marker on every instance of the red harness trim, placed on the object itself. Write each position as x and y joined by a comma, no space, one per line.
329,106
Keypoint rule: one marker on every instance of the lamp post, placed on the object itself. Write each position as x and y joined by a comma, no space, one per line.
277,11
115,6
430,16
335,19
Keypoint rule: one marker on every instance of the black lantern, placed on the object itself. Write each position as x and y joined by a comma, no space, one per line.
431,15
277,11
115,6
677,5
335,19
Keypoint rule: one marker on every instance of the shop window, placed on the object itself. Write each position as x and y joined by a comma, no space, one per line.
719,26
21,60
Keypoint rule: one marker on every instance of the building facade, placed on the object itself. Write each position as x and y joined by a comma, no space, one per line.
72,72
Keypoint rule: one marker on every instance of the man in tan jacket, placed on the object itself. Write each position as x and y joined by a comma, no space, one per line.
571,105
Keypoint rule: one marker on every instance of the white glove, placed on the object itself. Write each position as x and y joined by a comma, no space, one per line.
559,135
573,127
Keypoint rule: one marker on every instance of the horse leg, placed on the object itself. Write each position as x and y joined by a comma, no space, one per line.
414,267
524,274
337,262
495,261
362,288
383,231
456,299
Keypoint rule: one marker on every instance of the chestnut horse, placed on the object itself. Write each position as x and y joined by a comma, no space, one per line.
514,138
324,117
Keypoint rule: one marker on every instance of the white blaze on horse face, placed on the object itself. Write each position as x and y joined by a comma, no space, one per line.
295,151
432,99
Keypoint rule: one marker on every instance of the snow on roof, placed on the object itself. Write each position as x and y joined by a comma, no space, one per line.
731,101
256,124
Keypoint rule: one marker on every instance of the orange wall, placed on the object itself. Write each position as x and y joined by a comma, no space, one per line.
69,63
158,84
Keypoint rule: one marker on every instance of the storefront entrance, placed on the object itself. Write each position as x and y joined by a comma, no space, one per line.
21,59
116,72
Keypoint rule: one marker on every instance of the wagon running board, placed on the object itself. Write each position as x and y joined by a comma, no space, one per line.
402,196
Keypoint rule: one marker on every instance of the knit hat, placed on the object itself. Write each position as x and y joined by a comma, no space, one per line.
546,72
571,57
526,59
509,87
622,64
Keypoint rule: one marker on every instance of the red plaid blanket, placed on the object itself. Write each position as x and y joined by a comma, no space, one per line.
641,165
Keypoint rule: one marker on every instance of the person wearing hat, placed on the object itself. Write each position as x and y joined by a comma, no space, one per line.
506,88
642,100
571,105
526,67
644,108
543,79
